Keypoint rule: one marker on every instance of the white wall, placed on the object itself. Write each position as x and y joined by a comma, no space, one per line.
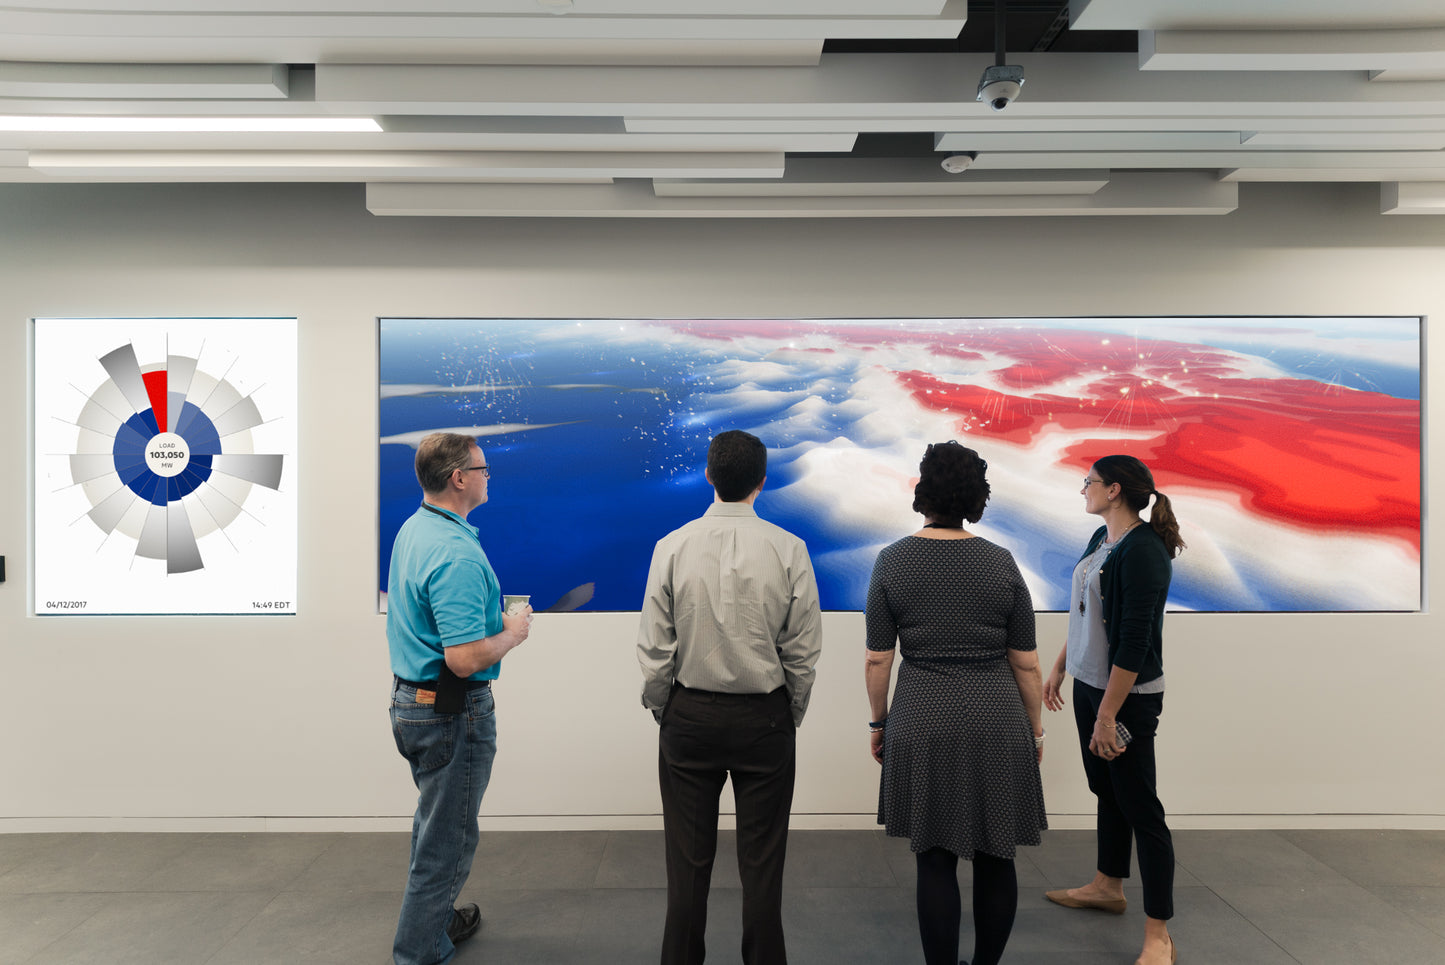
281,722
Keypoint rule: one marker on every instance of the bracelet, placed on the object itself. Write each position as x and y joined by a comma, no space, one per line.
878,724
1039,740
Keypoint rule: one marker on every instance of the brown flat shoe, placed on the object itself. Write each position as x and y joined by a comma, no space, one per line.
1115,906
1173,953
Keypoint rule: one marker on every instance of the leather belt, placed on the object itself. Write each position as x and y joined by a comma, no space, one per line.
431,685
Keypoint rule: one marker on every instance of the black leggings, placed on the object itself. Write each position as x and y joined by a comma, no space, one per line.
940,908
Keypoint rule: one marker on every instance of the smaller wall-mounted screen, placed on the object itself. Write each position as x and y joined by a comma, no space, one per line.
165,476
1290,447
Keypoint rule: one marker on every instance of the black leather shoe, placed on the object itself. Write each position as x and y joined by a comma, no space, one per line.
464,924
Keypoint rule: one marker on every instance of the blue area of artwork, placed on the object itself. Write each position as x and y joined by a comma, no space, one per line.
565,506
129,454
1336,368
198,430
200,434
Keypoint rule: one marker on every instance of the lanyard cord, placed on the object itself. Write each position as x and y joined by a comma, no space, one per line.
451,519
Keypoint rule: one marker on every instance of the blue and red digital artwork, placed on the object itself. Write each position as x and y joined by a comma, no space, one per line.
1290,447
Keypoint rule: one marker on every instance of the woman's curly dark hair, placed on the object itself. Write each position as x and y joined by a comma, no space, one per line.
951,483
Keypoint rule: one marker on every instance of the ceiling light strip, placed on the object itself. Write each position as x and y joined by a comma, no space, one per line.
1189,193
28,124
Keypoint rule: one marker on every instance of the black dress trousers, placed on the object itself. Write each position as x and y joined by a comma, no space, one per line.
706,738
1129,805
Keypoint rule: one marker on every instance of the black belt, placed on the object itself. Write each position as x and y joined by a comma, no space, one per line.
726,696
431,685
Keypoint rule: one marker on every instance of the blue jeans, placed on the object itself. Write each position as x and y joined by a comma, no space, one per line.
451,761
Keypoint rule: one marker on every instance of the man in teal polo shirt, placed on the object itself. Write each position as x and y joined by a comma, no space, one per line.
447,634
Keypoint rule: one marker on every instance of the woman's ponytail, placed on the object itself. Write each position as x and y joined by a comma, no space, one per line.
1162,518
1136,485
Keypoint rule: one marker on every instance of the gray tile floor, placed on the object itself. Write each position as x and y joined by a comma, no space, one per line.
594,897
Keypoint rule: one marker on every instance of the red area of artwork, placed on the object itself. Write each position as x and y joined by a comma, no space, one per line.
938,348
155,383
1299,451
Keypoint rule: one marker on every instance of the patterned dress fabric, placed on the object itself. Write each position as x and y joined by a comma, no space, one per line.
959,767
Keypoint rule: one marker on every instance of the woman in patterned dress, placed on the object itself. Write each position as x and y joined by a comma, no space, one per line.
961,744
1115,653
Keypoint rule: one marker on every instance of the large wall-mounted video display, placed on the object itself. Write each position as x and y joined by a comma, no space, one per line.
1290,447
165,476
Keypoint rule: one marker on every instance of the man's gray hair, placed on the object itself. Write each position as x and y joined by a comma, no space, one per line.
438,456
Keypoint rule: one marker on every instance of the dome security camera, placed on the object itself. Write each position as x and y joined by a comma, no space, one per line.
958,163
1000,85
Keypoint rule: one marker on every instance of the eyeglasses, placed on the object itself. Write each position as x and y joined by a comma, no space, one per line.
1090,480
486,470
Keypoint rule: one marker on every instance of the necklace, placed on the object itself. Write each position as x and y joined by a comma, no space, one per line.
940,526
1091,567
1115,542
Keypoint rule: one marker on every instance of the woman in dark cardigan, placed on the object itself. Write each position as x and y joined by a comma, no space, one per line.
1115,654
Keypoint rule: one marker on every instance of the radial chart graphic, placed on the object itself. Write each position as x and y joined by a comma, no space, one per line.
164,455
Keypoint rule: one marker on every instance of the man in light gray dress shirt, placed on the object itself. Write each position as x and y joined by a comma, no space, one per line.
729,637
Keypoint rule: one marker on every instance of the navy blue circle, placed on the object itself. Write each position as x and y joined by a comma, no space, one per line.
129,453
